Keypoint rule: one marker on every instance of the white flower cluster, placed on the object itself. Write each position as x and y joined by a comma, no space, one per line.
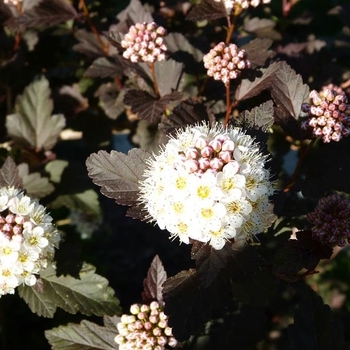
144,42
244,4
27,239
145,329
210,185
225,62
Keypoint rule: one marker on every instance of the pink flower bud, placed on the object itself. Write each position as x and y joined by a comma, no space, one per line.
225,156
216,164
203,163
207,151
216,145
191,165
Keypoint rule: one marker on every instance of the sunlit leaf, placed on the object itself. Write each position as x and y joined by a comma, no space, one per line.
33,124
153,283
118,174
9,174
34,184
90,294
84,336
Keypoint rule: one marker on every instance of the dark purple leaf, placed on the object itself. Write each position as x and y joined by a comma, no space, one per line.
301,253
178,42
248,88
9,175
46,13
258,51
111,99
207,9
104,67
260,117
118,174
262,28
288,91
188,305
188,112
88,44
314,326
168,75
153,284
115,39
147,106
209,261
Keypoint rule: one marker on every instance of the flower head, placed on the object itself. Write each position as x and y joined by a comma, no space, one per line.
12,2
244,4
329,115
331,220
210,185
146,328
144,42
27,239
225,62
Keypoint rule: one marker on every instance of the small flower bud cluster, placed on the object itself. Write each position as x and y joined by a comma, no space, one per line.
210,185
225,62
244,4
27,239
331,220
144,42
145,329
329,115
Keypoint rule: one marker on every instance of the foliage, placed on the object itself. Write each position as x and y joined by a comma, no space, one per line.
68,98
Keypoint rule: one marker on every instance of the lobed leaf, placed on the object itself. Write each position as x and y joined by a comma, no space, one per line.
152,284
89,295
118,174
258,51
188,112
45,13
147,106
301,253
260,117
9,174
84,336
103,67
33,124
207,9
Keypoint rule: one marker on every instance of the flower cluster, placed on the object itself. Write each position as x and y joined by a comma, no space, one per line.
329,115
331,220
225,62
144,42
244,4
146,328
27,239
210,185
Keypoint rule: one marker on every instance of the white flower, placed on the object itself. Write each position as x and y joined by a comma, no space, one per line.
209,184
27,239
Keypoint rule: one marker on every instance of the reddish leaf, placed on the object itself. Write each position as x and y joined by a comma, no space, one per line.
207,9
258,51
88,44
103,67
46,13
153,284
147,106
9,175
118,174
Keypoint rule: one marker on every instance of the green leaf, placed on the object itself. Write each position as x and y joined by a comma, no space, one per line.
55,168
34,184
84,336
89,295
32,124
86,201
